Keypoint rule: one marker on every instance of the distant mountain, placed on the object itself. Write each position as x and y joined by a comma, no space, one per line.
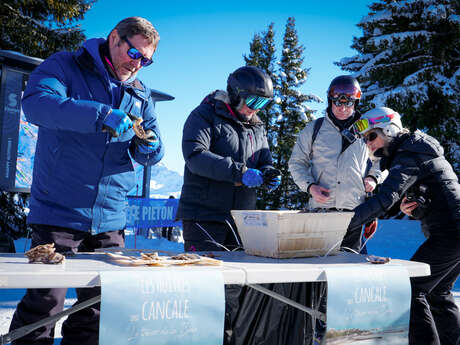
163,182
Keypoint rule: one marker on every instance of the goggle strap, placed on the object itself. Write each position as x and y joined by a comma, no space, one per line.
363,124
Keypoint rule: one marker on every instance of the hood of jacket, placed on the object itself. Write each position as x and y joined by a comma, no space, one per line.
89,57
417,143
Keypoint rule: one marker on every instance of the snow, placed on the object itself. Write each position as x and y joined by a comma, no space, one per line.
315,98
454,18
376,17
416,92
421,21
398,37
394,238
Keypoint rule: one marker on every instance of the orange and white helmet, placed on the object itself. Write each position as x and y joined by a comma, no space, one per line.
381,117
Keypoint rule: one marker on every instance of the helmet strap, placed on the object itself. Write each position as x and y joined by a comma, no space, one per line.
240,105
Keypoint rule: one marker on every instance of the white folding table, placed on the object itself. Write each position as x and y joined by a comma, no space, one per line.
83,270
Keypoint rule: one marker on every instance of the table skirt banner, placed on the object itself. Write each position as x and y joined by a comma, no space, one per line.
368,305
162,307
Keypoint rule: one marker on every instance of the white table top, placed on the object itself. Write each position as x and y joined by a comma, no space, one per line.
83,270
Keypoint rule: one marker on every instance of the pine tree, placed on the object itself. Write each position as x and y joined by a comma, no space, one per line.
262,54
287,116
409,60
292,116
41,27
13,213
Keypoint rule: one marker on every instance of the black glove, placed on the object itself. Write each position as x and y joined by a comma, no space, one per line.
148,145
272,178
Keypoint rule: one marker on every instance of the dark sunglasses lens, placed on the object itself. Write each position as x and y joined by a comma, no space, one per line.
146,62
135,54
370,137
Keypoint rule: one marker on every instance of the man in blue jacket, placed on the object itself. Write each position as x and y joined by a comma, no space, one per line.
84,104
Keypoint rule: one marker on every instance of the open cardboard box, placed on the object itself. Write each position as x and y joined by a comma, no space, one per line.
290,234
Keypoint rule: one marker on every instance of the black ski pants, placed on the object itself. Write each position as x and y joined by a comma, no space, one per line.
435,318
209,236
82,327
353,240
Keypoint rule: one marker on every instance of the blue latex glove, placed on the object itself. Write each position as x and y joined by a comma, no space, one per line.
252,178
117,122
148,146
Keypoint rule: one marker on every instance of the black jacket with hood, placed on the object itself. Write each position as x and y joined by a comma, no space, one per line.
413,160
217,148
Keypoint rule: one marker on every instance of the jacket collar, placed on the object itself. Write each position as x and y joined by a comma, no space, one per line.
89,58
393,146
221,102
340,125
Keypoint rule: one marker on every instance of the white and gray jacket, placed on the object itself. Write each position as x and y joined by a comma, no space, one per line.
324,164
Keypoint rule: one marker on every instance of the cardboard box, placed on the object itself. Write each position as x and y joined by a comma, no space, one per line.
290,234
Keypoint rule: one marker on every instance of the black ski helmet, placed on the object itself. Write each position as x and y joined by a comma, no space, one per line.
344,85
247,81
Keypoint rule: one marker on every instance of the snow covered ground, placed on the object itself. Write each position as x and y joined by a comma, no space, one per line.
396,239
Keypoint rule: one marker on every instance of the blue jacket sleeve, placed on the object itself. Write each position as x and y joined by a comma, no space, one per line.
402,174
46,101
150,122
196,144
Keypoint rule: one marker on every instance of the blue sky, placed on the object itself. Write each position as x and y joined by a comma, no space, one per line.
203,41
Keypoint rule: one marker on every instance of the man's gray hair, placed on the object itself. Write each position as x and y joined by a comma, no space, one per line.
132,26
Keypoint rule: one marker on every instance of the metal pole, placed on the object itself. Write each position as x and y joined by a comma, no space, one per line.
20,332
315,313
146,182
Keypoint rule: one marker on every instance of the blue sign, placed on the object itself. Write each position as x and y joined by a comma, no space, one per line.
162,307
151,213
371,302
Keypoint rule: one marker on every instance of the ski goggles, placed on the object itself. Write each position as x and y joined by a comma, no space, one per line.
135,54
363,125
343,100
256,102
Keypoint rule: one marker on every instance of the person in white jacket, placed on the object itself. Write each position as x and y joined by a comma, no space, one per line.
331,163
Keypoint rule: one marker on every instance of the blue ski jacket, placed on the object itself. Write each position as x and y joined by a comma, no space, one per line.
81,173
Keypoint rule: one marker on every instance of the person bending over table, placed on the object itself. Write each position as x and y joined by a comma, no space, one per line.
430,192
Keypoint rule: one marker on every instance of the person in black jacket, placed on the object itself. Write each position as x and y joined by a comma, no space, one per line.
226,156
424,180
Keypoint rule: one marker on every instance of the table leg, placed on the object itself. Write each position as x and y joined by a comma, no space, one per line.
20,332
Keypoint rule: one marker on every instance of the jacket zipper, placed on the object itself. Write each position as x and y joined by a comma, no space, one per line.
252,146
